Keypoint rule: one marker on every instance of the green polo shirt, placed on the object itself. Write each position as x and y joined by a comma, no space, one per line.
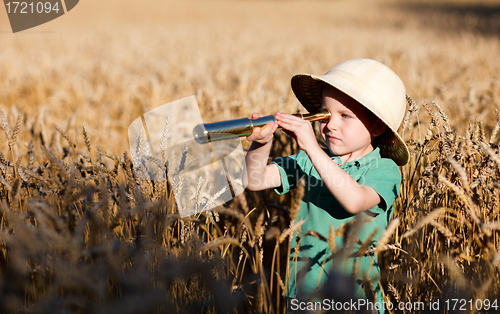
320,210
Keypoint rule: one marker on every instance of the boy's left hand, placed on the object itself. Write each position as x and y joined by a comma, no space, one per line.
299,129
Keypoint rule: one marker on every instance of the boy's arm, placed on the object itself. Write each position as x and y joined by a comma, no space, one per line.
257,175
355,198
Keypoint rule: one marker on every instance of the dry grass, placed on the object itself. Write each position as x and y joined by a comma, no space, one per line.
80,232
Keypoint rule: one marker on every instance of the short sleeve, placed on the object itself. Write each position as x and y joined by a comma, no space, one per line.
291,170
384,177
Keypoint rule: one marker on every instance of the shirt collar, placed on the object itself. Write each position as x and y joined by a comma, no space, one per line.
360,162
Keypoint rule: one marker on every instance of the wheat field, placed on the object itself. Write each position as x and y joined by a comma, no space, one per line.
80,232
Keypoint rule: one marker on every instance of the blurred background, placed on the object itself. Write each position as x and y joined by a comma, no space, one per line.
106,62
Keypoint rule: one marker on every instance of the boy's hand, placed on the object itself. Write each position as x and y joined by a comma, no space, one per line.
299,129
262,135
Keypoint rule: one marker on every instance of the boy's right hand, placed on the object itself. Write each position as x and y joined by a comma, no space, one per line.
262,135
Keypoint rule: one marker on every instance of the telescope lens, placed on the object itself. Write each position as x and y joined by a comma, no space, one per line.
200,134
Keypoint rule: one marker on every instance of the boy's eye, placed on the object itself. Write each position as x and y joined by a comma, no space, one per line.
345,116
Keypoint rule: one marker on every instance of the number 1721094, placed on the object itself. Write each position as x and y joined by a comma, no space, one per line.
464,305
32,7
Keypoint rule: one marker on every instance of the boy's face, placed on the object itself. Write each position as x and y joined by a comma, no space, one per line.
351,129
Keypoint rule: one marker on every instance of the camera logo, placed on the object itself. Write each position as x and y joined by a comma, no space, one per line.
201,176
27,14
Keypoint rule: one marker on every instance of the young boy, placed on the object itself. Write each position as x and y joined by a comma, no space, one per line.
357,177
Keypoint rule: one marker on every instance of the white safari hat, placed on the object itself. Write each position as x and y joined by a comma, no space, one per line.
374,86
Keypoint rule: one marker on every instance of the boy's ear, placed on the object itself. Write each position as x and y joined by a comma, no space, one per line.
378,128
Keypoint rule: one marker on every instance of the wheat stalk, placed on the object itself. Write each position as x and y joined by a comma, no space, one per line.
384,239
439,212
494,133
86,139
66,137
289,231
15,133
5,125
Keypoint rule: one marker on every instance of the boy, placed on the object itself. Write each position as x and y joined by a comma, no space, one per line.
358,176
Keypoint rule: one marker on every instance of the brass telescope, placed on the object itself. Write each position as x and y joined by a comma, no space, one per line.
224,130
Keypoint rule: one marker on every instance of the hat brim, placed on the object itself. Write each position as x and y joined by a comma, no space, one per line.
308,88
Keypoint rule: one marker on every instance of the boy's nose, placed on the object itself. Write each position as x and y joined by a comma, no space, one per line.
332,123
